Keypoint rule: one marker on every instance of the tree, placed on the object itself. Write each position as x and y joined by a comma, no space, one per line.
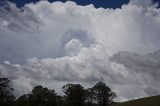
43,97
90,96
60,101
24,100
103,93
6,93
40,97
74,94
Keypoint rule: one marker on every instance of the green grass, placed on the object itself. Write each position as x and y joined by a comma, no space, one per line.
148,101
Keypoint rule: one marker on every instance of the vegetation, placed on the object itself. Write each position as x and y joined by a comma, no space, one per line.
103,94
74,95
6,96
149,101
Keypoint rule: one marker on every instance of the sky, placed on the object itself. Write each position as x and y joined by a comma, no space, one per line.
96,3
52,44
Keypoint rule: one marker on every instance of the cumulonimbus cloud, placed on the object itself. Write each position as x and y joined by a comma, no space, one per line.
57,43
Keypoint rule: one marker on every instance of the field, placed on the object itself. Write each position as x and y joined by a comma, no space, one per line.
149,101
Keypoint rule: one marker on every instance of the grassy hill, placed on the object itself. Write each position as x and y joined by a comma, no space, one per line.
149,101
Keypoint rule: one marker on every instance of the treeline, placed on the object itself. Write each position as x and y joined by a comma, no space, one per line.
74,95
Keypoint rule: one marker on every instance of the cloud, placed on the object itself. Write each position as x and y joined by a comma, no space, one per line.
145,3
57,43
144,69
142,3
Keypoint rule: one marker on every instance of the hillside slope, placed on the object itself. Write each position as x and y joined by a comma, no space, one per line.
149,101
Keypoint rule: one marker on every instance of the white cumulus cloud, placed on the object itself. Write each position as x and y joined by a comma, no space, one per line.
53,44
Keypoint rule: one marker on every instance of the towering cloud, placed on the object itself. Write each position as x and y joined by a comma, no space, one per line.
57,43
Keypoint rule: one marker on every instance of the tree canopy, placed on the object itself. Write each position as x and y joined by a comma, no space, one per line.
6,92
103,93
74,95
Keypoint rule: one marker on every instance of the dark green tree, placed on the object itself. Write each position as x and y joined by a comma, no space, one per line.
43,97
74,94
24,100
60,101
104,94
90,96
40,97
6,93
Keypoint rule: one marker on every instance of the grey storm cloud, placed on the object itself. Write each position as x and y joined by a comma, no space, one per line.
53,44
144,68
